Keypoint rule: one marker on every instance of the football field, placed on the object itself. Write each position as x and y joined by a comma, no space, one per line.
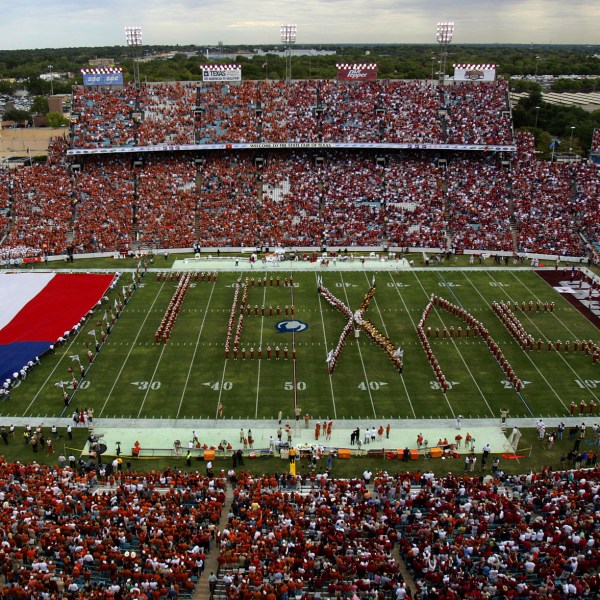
190,376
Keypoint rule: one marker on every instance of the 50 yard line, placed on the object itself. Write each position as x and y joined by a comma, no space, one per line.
326,351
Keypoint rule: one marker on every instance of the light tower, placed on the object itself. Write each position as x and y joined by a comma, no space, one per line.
288,39
133,36
445,31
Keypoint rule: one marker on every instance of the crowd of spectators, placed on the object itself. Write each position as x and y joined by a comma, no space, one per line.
596,141
71,532
388,111
327,538
530,536
464,201
84,530
545,207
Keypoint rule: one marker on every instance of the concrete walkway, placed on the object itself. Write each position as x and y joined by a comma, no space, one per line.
161,433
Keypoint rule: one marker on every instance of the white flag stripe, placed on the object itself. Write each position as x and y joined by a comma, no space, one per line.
16,290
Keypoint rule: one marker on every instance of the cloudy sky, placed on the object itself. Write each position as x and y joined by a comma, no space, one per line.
51,24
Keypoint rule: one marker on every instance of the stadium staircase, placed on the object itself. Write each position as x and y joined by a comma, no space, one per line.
211,565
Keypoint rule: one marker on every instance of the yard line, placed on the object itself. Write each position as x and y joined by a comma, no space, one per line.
526,354
262,327
66,353
386,333
553,313
367,381
326,351
294,378
541,333
151,380
195,351
114,385
437,312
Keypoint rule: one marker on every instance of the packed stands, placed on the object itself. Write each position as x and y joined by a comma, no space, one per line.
596,141
545,206
303,198
77,532
530,536
40,208
443,199
317,538
95,531
390,111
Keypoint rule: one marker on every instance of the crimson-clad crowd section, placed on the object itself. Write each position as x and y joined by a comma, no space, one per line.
386,111
77,533
66,532
456,201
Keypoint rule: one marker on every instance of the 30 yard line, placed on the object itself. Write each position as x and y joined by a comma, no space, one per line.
326,351
462,358
114,385
196,346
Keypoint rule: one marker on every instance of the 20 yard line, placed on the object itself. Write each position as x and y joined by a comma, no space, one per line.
540,332
114,385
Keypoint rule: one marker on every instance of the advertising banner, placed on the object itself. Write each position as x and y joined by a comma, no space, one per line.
211,73
474,72
97,78
357,72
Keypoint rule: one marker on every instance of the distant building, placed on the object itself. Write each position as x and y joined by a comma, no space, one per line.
102,62
57,103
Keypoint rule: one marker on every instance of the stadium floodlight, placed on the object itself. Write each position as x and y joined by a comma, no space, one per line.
50,67
133,37
288,39
445,31
288,34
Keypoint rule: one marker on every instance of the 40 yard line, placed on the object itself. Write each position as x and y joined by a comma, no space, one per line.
195,351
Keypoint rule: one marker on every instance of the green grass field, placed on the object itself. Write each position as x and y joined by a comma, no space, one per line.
187,378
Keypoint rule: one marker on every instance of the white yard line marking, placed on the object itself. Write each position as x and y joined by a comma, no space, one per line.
196,345
114,385
462,358
362,362
525,353
326,351
262,328
545,336
387,334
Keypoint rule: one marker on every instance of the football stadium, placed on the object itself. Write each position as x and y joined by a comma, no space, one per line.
306,339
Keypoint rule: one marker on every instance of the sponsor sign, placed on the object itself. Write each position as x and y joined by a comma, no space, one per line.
474,72
103,79
221,73
357,72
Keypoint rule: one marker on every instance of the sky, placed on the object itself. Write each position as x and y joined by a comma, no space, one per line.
72,23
